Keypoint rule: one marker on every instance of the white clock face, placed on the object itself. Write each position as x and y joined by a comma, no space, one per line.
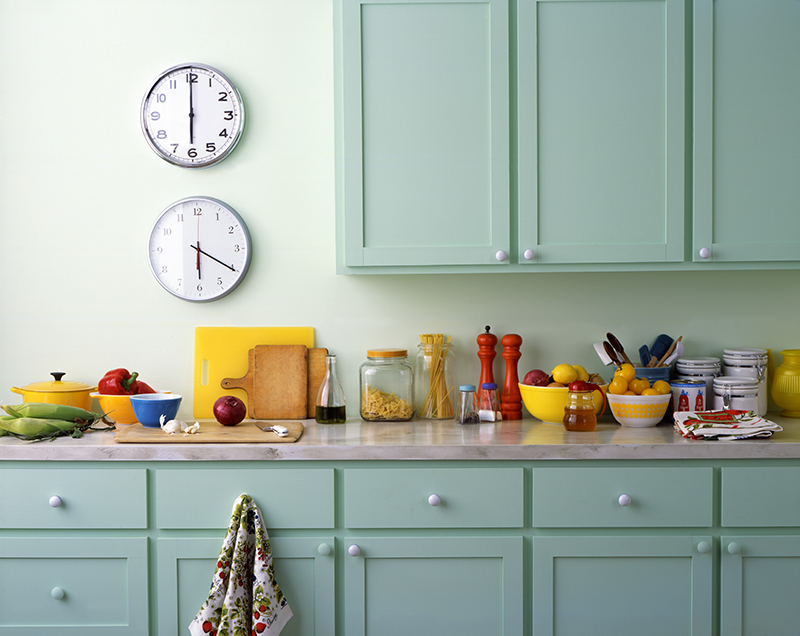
199,249
192,116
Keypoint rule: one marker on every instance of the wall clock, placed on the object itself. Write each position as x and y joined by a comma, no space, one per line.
192,116
199,249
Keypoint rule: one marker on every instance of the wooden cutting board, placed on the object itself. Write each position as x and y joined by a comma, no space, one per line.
221,352
276,382
248,432
316,374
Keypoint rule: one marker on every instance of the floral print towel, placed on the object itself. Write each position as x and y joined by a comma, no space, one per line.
245,599
723,425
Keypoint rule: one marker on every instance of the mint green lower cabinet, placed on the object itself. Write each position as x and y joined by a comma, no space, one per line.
433,586
73,586
304,569
760,580
622,586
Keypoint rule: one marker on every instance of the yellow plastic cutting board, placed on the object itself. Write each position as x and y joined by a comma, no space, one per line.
223,352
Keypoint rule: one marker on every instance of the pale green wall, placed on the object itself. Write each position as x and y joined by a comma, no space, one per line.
80,189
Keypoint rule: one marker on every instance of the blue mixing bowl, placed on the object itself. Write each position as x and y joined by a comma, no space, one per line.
149,407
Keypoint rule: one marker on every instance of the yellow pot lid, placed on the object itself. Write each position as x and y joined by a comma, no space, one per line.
58,386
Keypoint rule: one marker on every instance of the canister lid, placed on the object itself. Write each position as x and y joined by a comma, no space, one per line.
467,387
736,382
697,362
387,353
687,383
489,385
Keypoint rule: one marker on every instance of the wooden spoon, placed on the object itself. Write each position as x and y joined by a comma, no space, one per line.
611,353
618,347
669,351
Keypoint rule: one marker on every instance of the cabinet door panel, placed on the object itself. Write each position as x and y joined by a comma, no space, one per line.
759,578
425,99
622,586
746,130
434,586
186,568
601,138
103,580
763,496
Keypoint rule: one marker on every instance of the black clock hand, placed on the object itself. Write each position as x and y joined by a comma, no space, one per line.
199,251
199,277
191,110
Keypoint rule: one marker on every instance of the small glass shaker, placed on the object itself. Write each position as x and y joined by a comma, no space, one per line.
489,405
465,413
330,406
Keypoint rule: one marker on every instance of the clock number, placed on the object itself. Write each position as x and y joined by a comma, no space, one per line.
167,231
223,132
161,98
161,134
211,147
223,97
192,152
236,248
230,229
155,115
199,287
219,281
197,211
174,148
163,269
173,83
228,115
179,217
191,78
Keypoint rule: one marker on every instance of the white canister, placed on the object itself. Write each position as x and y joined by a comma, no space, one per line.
749,363
705,369
737,393
688,395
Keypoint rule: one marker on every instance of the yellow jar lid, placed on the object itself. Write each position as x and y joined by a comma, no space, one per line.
387,353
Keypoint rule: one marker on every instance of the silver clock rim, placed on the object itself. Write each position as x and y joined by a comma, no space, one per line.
245,231
167,156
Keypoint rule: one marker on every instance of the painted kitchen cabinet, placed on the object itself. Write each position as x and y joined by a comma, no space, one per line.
433,547
556,135
747,133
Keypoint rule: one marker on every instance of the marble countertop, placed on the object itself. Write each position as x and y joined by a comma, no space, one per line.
427,440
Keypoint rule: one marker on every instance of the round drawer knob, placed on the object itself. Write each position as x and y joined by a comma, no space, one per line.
354,550
624,500
55,501
704,547
501,255
734,548
704,252
529,255
434,499
57,593
324,549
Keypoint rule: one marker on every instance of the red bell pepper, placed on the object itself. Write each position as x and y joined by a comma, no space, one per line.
122,382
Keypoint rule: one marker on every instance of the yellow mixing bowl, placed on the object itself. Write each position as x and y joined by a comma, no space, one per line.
547,402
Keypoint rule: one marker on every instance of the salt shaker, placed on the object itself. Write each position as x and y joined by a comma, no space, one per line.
489,405
465,413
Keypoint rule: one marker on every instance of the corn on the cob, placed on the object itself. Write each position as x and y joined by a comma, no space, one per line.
33,426
51,412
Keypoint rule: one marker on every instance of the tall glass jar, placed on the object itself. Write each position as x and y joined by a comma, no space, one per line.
330,402
434,396
387,386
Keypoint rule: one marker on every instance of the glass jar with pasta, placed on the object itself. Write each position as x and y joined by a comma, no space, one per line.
387,386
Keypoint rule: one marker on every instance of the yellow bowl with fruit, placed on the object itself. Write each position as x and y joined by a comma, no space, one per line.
639,411
547,403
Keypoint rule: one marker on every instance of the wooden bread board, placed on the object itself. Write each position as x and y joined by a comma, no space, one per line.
247,432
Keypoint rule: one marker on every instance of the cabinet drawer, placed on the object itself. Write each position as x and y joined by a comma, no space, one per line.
77,587
402,498
592,497
287,498
768,496
89,498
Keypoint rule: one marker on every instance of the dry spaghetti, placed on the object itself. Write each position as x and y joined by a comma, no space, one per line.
438,402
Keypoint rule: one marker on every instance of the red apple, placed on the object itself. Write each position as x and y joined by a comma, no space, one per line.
536,377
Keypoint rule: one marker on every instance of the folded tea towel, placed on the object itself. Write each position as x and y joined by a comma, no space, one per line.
723,425
244,597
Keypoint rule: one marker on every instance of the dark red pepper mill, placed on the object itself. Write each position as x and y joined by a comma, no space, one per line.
511,400
487,354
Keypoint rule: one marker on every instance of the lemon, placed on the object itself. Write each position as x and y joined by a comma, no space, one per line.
564,373
618,386
662,387
583,374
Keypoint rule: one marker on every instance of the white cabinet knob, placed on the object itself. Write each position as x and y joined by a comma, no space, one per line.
501,255
57,593
734,548
434,499
624,500
529,255
704,547
704,252
354,550
324,549
55,501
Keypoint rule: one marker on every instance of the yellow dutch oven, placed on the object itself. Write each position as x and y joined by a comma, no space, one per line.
58,392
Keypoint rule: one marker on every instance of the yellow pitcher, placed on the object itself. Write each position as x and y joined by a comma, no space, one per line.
786,383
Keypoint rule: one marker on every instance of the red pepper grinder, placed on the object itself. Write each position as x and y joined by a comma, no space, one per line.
487,354
511,400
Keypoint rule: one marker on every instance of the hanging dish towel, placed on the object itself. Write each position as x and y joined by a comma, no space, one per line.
245,598
723,425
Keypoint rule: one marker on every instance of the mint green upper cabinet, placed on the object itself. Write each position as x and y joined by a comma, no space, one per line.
424,133
601,103
747,130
